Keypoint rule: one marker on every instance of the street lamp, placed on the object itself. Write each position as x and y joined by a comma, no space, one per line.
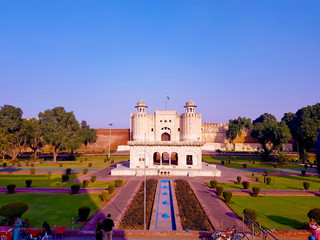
110,124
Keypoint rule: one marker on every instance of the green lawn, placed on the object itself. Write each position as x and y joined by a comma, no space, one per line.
56,209
279,183
42,181
277,212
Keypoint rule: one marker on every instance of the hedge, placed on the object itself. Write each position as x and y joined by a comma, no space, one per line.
83,213
306,185
75,188
227,195
239,179
118,183
11,188
111,188
213,183
245,184
12,210
256,191
85,183
251,213
219,190
28,182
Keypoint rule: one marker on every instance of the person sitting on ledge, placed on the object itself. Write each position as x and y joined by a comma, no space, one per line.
314,228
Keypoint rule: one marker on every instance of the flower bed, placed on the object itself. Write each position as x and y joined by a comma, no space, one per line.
133,218
191,213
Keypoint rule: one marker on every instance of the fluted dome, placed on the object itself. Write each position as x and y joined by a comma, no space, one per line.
190,103
141,104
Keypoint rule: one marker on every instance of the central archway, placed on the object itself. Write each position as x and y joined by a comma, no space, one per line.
165,137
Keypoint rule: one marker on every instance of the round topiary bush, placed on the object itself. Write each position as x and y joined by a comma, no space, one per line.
65,178
111,188
227,195
268,179
306,166
306,185
266,172
75,188
19,165
83,213
68,171
93,178
303,172
11,188
222,162
251,213
60,164
28,182
85,183
255,191
239,179
219,190
27,163
244,165
85,171
315,214
245,184
90,165
12,210
213,183
105,195
118,183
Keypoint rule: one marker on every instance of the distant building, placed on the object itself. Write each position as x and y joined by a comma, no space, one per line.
166,143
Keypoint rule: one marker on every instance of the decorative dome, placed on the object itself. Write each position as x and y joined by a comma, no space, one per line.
190,103
141,104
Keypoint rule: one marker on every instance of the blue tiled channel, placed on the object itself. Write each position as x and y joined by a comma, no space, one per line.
165,211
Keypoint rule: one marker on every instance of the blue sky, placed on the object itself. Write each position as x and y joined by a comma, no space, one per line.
99,58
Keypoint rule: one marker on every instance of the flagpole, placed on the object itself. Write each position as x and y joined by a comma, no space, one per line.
166,102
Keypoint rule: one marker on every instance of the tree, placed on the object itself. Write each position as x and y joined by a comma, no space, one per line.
58,127
236,127
89,134
270,133
34,135
305,127
13,131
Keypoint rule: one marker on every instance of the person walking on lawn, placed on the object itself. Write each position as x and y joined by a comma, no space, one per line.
107,227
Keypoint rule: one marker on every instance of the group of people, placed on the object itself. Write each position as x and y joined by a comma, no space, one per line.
315,229
104,229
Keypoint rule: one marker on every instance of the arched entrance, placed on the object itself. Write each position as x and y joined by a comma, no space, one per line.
165,137
165,158
174,158
156,158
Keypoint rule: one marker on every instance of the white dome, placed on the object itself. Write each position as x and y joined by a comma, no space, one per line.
190,103
141,104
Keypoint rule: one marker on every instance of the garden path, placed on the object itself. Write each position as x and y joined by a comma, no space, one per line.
219,214
116,206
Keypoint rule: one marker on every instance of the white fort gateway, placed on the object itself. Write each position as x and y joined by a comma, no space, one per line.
166,144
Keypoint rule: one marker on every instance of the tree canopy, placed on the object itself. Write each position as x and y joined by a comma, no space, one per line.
89,135
236,126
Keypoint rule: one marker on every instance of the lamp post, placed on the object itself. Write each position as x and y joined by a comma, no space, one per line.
110,124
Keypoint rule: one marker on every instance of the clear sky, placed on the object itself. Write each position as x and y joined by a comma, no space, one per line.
99,58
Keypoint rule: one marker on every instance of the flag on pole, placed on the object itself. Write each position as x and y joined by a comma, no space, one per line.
168,97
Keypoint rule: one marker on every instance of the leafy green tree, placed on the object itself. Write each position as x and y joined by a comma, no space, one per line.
305,127
236,127
89,134
13,131
270,133
58,127
34,135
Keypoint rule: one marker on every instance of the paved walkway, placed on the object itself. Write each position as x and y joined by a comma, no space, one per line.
116,206
219,214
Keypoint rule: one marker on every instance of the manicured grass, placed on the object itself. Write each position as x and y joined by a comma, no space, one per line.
278,183
275,212
56,209
218,159
43,181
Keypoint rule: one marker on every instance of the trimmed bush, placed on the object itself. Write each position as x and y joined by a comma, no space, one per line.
4,165
60,164
245,184
306,185
111,188
32,171
274,166
11,188
239,179
268,179
32,165
28,182
85,183
12,210
93,178
19,165
251,213
219,190
90,165
213,183
227,195
244,165
222,162
306,166
315,214
83,213
68,171
255,191
266,172
65,178
118,183
85,171
105,194
303,172
27,163
75,188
